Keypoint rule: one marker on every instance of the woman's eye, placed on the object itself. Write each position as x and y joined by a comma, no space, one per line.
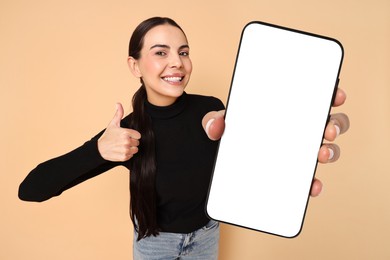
184,53
160,53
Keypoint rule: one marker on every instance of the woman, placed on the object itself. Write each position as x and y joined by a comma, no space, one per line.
167,143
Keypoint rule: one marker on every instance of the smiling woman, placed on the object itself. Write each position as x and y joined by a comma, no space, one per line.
168,144
163,144
164,64
156,62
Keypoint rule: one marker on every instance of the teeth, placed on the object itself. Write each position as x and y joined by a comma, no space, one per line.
173,79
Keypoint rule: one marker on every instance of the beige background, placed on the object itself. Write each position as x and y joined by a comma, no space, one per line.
63,67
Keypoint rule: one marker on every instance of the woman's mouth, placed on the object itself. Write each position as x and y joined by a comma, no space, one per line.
172,79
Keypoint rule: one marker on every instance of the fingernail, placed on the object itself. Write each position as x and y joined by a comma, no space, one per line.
208,124
331,154
337,130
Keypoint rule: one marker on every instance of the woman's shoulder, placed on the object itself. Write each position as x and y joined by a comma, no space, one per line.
214,102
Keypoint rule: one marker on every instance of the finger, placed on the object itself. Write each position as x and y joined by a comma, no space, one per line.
316,188
215,128
116,121
340,98
125,155
214,124
332,131
133,150
329,153
341,121
133,134
209,116
133,142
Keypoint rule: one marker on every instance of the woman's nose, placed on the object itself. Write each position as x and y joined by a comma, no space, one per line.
175,61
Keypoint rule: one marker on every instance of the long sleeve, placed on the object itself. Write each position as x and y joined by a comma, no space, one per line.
54,176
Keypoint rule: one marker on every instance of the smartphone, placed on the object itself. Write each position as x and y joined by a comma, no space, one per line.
283,86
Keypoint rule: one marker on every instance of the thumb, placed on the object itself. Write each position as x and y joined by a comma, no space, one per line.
116,121
214,124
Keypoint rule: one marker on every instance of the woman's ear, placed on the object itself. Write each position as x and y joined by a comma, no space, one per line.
133,66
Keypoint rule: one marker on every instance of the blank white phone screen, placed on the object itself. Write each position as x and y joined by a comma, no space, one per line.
279,102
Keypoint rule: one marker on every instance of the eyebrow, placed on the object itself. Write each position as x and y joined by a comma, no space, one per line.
168,47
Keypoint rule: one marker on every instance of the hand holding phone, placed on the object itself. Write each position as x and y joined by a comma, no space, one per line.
282,76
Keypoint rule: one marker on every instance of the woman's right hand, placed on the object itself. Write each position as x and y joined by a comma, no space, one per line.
118,144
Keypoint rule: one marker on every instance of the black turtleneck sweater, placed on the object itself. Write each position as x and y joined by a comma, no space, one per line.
185,159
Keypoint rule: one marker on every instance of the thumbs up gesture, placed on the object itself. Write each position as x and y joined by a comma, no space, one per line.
118,144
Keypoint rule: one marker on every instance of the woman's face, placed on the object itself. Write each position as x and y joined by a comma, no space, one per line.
164,65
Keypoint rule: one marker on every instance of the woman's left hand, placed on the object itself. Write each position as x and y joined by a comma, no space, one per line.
214,126
330,152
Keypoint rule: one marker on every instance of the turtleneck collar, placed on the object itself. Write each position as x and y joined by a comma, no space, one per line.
165,112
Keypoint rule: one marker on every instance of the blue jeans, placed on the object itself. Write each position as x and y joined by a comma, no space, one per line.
201,244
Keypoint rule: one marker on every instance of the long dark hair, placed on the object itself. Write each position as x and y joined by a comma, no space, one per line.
143,198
